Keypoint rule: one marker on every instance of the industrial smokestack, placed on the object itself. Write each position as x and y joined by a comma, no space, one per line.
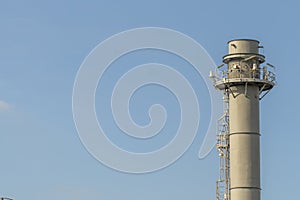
244,83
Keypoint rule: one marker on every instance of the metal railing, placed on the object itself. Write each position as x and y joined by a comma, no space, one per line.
267,73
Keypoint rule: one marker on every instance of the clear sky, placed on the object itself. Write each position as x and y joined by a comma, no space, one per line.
42,46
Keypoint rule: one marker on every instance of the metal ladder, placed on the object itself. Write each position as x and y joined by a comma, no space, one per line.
223,184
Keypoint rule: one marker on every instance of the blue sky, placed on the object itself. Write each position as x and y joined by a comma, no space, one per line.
43,44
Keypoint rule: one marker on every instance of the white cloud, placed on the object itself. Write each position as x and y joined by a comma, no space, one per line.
4,106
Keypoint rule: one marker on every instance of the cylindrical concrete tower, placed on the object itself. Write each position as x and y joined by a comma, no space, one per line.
244,82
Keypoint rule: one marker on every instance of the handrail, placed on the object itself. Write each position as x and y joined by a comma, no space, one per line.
266,73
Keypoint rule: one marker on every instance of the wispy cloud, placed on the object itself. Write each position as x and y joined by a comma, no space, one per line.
4,106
